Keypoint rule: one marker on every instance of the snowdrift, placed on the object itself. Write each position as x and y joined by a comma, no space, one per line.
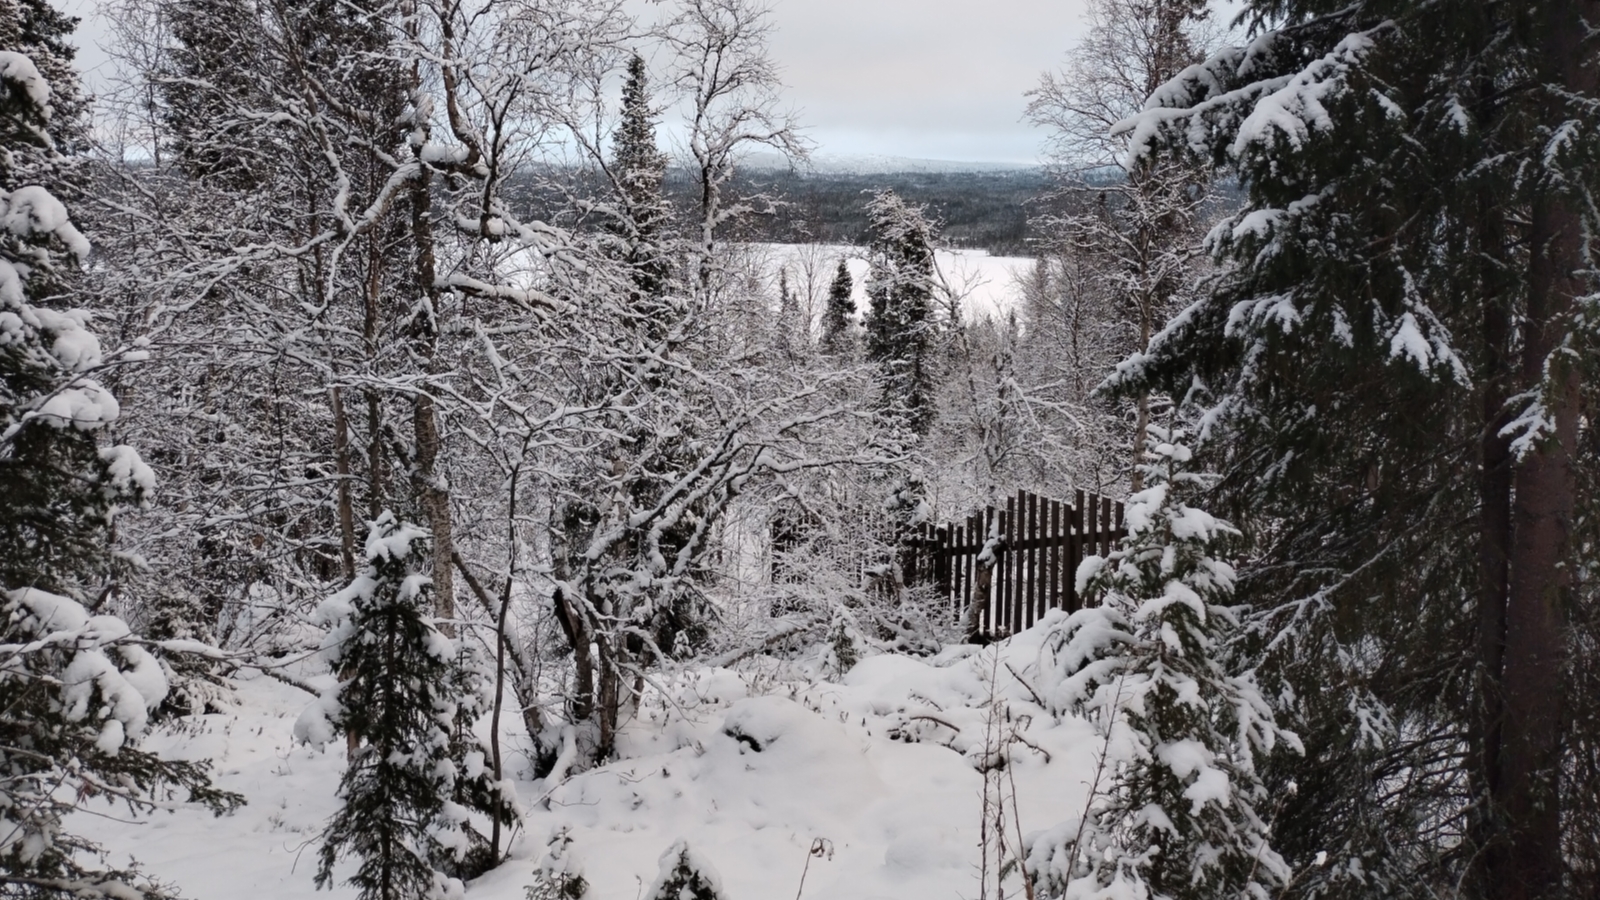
750,767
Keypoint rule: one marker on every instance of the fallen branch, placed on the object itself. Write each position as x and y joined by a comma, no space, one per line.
935,719
291,681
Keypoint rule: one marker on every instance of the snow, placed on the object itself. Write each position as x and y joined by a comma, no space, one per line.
32,210
20,70
85,406
985,286
107,676
1190,757
881,764
1408,341
126,472
391,543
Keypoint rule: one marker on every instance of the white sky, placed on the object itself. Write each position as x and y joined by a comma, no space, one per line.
935,79
941,79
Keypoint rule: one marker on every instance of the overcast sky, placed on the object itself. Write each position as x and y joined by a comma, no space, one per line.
936,79
942,79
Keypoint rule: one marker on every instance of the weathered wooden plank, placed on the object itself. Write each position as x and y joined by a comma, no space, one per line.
986,575
957,564
1105,526
943,566
1032,571
1004,566
1055,555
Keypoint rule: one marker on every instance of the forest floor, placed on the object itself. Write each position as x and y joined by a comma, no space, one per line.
882,765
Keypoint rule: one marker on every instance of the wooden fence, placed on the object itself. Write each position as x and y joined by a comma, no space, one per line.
1037,544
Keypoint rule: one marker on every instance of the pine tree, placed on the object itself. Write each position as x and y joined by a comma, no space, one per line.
900,326
1182,812
836,318
410,696
78,687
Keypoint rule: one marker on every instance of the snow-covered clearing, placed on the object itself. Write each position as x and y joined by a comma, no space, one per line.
749,766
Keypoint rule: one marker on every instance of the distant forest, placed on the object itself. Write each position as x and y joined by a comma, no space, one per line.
980,210
983,210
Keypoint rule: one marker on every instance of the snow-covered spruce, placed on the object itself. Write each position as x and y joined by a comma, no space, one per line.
78,692
560,873
408,698
900,325
1177,809
78,688
685,875
839,315
61,485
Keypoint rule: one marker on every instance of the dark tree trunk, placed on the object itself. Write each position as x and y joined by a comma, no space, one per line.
1494,504
1544,491
341,456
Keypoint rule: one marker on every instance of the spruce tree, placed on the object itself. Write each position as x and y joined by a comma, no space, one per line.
638,169
210,83
410,696
37,30
685,875
78,687
62,487
1393,364
900,326
841,308
1180,810
789,333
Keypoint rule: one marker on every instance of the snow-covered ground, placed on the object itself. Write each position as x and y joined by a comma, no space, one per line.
751,767
986,285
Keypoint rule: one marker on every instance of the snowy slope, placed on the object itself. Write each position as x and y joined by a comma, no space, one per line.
881,764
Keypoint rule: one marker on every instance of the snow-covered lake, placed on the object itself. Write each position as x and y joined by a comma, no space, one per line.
987,285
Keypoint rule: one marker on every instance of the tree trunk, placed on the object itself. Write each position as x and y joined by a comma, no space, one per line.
427,481
1494,541
1544,489
341,456
376,490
